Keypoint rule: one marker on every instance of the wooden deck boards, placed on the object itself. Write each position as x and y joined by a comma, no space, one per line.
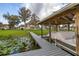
47,49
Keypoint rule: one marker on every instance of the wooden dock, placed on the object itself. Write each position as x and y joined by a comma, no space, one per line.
47,49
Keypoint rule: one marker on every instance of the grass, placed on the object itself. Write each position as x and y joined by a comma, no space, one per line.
7,33
38,31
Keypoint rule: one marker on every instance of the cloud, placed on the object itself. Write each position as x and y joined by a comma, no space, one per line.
34,7
44,9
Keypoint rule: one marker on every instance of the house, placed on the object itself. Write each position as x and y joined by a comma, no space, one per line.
21,27
4,26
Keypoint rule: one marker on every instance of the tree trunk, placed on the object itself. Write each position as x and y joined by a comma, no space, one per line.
25,24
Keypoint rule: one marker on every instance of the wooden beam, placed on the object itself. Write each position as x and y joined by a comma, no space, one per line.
64,19
70,19
49,32
76,18
67,19
72,14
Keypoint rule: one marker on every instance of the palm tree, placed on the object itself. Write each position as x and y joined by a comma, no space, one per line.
24,14
12,20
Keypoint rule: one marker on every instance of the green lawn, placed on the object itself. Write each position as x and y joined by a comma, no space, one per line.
38,31
6,33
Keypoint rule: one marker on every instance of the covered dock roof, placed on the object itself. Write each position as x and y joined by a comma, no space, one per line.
62,16
66,15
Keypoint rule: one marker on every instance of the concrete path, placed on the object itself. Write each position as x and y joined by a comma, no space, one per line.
47,49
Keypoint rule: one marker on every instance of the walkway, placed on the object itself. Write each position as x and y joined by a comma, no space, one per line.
47,49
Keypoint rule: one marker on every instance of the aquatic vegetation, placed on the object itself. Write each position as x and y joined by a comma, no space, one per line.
13,45
16,42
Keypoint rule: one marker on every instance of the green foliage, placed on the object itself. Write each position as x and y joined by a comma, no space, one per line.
12,46
24,14
12,20
14,41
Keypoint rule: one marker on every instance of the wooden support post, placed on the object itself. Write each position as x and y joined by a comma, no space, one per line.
68,27
49,32
56,27
76,18
41,31
59,28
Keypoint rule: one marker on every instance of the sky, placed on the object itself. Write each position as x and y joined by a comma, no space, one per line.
12,8
42,10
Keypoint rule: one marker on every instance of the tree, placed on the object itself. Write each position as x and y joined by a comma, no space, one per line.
1,24
34,19
24,14
12,20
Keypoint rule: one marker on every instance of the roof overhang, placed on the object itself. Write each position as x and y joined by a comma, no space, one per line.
67,7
